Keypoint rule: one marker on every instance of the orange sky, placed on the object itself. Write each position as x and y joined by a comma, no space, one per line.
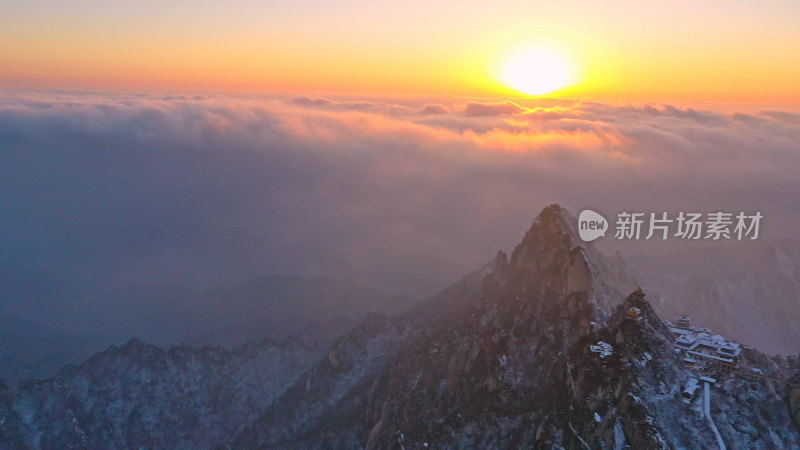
703,50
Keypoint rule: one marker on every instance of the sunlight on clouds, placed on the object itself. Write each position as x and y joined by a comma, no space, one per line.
420,165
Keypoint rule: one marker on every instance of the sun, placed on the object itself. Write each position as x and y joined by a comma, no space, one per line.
537,71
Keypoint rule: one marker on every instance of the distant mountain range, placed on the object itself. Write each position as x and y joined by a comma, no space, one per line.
748,292
272,307
545,348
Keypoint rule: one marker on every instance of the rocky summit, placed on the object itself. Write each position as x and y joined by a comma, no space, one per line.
551,347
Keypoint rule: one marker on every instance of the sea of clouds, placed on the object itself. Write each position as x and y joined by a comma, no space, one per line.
404,195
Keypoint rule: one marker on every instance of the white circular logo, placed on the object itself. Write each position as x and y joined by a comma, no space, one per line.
591,225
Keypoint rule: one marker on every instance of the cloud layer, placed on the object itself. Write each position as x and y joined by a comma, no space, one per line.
404,196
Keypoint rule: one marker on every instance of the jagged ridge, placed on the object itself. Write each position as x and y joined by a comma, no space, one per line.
139,395
507,365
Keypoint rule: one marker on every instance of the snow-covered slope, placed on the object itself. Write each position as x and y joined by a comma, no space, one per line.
141,396
544,348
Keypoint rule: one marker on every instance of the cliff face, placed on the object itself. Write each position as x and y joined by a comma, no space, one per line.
541,349
496,375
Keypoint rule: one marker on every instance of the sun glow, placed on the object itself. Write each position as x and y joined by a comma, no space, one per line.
537,71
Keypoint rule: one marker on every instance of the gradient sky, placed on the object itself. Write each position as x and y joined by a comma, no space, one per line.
700,50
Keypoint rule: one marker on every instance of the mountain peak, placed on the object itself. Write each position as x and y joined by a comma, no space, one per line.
557,219
553,225
550,254
553,262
